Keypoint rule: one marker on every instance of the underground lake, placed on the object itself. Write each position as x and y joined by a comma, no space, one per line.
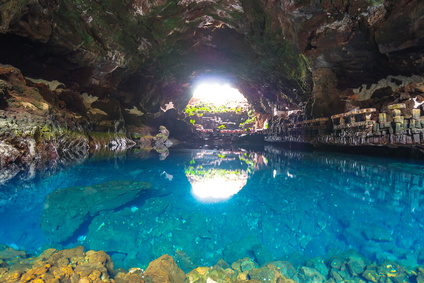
267,204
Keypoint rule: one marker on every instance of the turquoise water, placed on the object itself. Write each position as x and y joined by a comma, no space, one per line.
267,203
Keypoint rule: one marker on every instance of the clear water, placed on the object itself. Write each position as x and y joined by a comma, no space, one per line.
203,205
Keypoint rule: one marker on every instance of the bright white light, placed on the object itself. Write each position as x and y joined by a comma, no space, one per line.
217,189
216,185
218,94
416,103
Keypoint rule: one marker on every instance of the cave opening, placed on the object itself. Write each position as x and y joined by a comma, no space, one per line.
217,106
218,94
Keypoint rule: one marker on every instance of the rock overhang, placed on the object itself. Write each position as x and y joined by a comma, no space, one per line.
146,52
165,39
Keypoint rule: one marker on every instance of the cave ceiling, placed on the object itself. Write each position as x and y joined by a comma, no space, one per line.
150,52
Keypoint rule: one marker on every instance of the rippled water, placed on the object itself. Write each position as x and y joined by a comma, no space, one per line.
203,205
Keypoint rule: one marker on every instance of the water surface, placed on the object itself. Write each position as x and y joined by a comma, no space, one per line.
200,205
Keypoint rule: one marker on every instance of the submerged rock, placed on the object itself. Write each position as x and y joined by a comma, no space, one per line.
355,265
241,248
371,275
66,209
269,273
286,268
378,233
133,275
164,269
11,254
262,254
318,264
185,263
114,232
76,265
244,270
73,265
244,265
309,275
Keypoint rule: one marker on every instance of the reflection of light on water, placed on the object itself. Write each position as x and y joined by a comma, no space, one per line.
216,184
217,189
210,176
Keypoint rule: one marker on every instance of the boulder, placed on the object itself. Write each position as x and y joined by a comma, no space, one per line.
134,275
286,268
10,253
211,274
318,264
164,270
262,254
309,275
72,265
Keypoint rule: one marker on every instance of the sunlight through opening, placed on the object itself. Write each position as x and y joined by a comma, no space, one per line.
218,94
218,107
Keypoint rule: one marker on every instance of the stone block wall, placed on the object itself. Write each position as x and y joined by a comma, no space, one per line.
360,127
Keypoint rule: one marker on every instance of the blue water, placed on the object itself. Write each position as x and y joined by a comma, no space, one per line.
203,205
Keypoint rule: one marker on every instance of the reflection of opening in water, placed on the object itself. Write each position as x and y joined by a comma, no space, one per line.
213,176
218,188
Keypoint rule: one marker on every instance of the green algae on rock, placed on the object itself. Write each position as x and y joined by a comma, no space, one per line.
66,209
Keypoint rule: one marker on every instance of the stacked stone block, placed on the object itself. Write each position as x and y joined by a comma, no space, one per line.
359,127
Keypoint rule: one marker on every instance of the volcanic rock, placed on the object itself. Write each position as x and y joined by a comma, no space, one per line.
66,209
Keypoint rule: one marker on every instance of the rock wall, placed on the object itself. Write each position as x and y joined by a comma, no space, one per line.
46,126
326,98
397,123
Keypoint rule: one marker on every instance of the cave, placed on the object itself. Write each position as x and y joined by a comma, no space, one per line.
211,141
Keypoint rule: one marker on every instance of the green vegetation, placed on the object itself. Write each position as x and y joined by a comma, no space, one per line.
283,55
249,163
375,2
248,121
104,138
9,11
204,107
46,133
211,173
3,87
